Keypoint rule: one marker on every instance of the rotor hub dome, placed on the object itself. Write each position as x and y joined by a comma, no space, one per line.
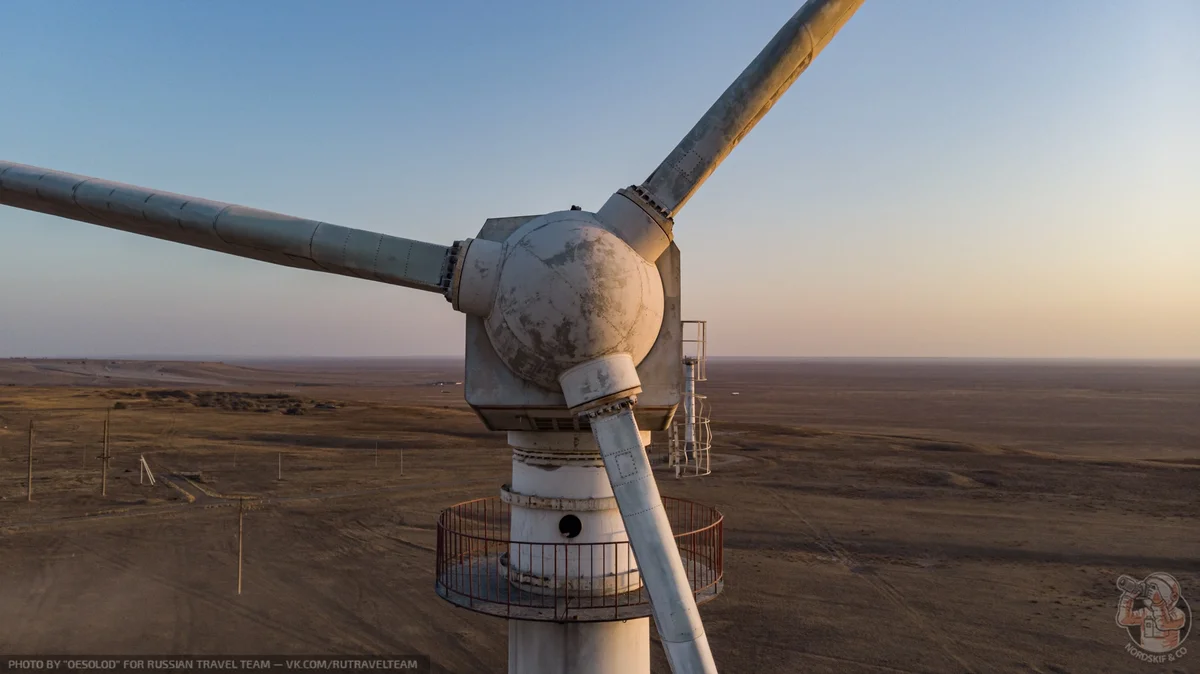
571,291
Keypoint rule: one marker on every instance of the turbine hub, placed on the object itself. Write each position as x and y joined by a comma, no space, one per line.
571,291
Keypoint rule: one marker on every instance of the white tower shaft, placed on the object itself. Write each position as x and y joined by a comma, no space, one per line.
558,475
579,648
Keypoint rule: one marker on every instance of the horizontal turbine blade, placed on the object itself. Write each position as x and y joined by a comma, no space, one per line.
227,228
745,102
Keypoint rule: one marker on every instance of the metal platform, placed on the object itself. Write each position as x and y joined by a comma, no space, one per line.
475,568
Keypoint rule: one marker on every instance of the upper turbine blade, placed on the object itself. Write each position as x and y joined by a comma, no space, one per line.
227,228
746,101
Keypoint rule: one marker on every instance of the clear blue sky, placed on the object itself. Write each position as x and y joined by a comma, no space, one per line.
950,178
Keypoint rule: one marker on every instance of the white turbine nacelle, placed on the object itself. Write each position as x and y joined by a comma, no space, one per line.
562,290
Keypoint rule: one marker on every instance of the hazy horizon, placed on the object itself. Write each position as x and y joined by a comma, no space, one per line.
926,189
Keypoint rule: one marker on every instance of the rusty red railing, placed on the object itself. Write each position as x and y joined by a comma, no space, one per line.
480,568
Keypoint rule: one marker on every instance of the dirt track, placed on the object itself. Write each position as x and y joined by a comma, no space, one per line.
880,517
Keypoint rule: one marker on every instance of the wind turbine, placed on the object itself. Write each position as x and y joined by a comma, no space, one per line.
565,330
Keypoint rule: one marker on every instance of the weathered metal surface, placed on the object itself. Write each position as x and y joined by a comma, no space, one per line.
600,380
627,216
506,402
571,291
588,560
226,228
745,102
556,503
649,530
579,648
473,289
559,453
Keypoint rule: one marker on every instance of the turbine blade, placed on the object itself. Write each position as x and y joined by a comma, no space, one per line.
745,102
654,547
228,228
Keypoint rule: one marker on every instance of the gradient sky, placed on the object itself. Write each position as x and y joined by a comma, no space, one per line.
950,178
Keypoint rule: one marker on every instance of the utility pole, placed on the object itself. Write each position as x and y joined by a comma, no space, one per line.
104,457
241,516
29,491
279,474
376,453
401,462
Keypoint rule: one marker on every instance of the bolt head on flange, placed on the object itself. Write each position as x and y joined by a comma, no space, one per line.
571,291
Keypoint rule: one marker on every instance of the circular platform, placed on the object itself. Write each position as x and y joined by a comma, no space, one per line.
570,582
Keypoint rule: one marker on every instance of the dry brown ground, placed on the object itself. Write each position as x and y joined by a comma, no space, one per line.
880,516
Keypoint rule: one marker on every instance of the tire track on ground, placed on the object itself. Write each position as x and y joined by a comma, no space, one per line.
221,604
840,660
348,623
36,593
827,542
369,536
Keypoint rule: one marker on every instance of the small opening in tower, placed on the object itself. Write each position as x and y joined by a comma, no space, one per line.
570,526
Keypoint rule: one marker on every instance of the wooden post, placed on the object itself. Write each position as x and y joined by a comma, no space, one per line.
241,515
376,453
29,491
401,462
104,460
144,469
279,474
86,449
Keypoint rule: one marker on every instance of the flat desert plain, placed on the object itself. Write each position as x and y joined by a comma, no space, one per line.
881,516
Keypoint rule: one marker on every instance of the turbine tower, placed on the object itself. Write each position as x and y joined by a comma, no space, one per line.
573,348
